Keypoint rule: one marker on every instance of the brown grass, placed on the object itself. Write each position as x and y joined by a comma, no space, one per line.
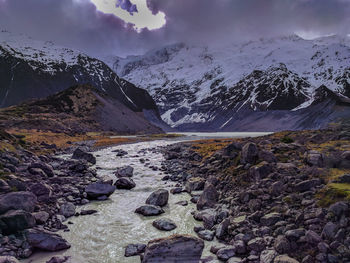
206,148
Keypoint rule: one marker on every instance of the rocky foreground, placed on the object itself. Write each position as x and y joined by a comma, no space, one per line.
38,195
278,198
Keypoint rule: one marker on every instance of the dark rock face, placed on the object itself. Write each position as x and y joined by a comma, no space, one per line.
158,198
175,248
18,201
125,183
134,250
208,198
46,241
164,224
79,154
149,210
97,190
17,220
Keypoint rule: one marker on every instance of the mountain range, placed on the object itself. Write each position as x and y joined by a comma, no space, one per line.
245,85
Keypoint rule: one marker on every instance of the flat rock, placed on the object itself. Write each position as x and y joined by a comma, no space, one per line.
176,248
164,224
97,190
158,198
45,240
149,210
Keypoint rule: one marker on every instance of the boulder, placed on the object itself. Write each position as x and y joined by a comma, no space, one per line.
17,220
125,183
43,166
45,240
312,237
206,235
306,185
270,219
267,156
164,224
226,253
4,187
176,248
60,259
158,198
268,255
18,201
149,210
256,244
41,217
208,198
337,209
67,209
222,228
97,190
8,259
282,245
79,154
194,184
42,191
314,158
126,171
134,250
249,153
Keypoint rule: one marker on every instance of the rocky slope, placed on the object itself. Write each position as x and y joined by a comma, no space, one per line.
194,85
77,110
277,198
36,69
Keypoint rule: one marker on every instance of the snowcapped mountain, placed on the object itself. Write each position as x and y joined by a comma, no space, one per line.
194,86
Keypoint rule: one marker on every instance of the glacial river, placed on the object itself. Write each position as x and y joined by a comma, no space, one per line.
102,237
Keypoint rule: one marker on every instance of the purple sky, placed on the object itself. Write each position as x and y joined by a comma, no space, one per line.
78,23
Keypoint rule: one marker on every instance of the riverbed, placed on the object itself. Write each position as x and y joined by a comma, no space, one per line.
102,237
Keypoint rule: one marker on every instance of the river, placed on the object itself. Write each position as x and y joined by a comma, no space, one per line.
102,237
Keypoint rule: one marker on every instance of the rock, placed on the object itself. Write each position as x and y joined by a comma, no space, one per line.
295,234
149,210
222,228
164,224
158,198
79,154
126,171
249,153
312,237
176,248
307,185
270,219
240,246
285,259
194,184
343,179
267,156
235,260
329,231
45,240
134,250
209,218
97,190
337,209
88,212
41,217
314,158
18,201
43,166
125,183
120,153
208,198
8,259
42,191
206,235
4,187
256,244
176,190
182,203
276,188
226,253
282,245
17,220
268,255
61,259
67,209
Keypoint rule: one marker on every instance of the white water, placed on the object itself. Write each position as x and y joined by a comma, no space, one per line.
102,237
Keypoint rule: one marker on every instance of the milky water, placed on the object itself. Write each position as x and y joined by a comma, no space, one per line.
102,237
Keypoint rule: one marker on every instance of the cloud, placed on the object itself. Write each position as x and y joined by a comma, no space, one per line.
80,24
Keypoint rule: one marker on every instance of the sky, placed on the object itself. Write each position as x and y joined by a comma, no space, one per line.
125,27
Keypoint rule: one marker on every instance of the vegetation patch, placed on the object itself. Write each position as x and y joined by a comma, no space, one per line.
333,193
206,148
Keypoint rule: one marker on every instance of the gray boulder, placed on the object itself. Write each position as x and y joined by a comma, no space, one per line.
97,190
149,210
339,208
270,219
17,220
126,171
41,217
8,259
249,153
206,235
125,183
176,248
194,184
208,198
226,253
45,240
79,154
158,198
42,191
164,224
18,201
134,250
67,209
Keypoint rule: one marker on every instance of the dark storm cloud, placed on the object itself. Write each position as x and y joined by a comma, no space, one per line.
127,5
77,23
